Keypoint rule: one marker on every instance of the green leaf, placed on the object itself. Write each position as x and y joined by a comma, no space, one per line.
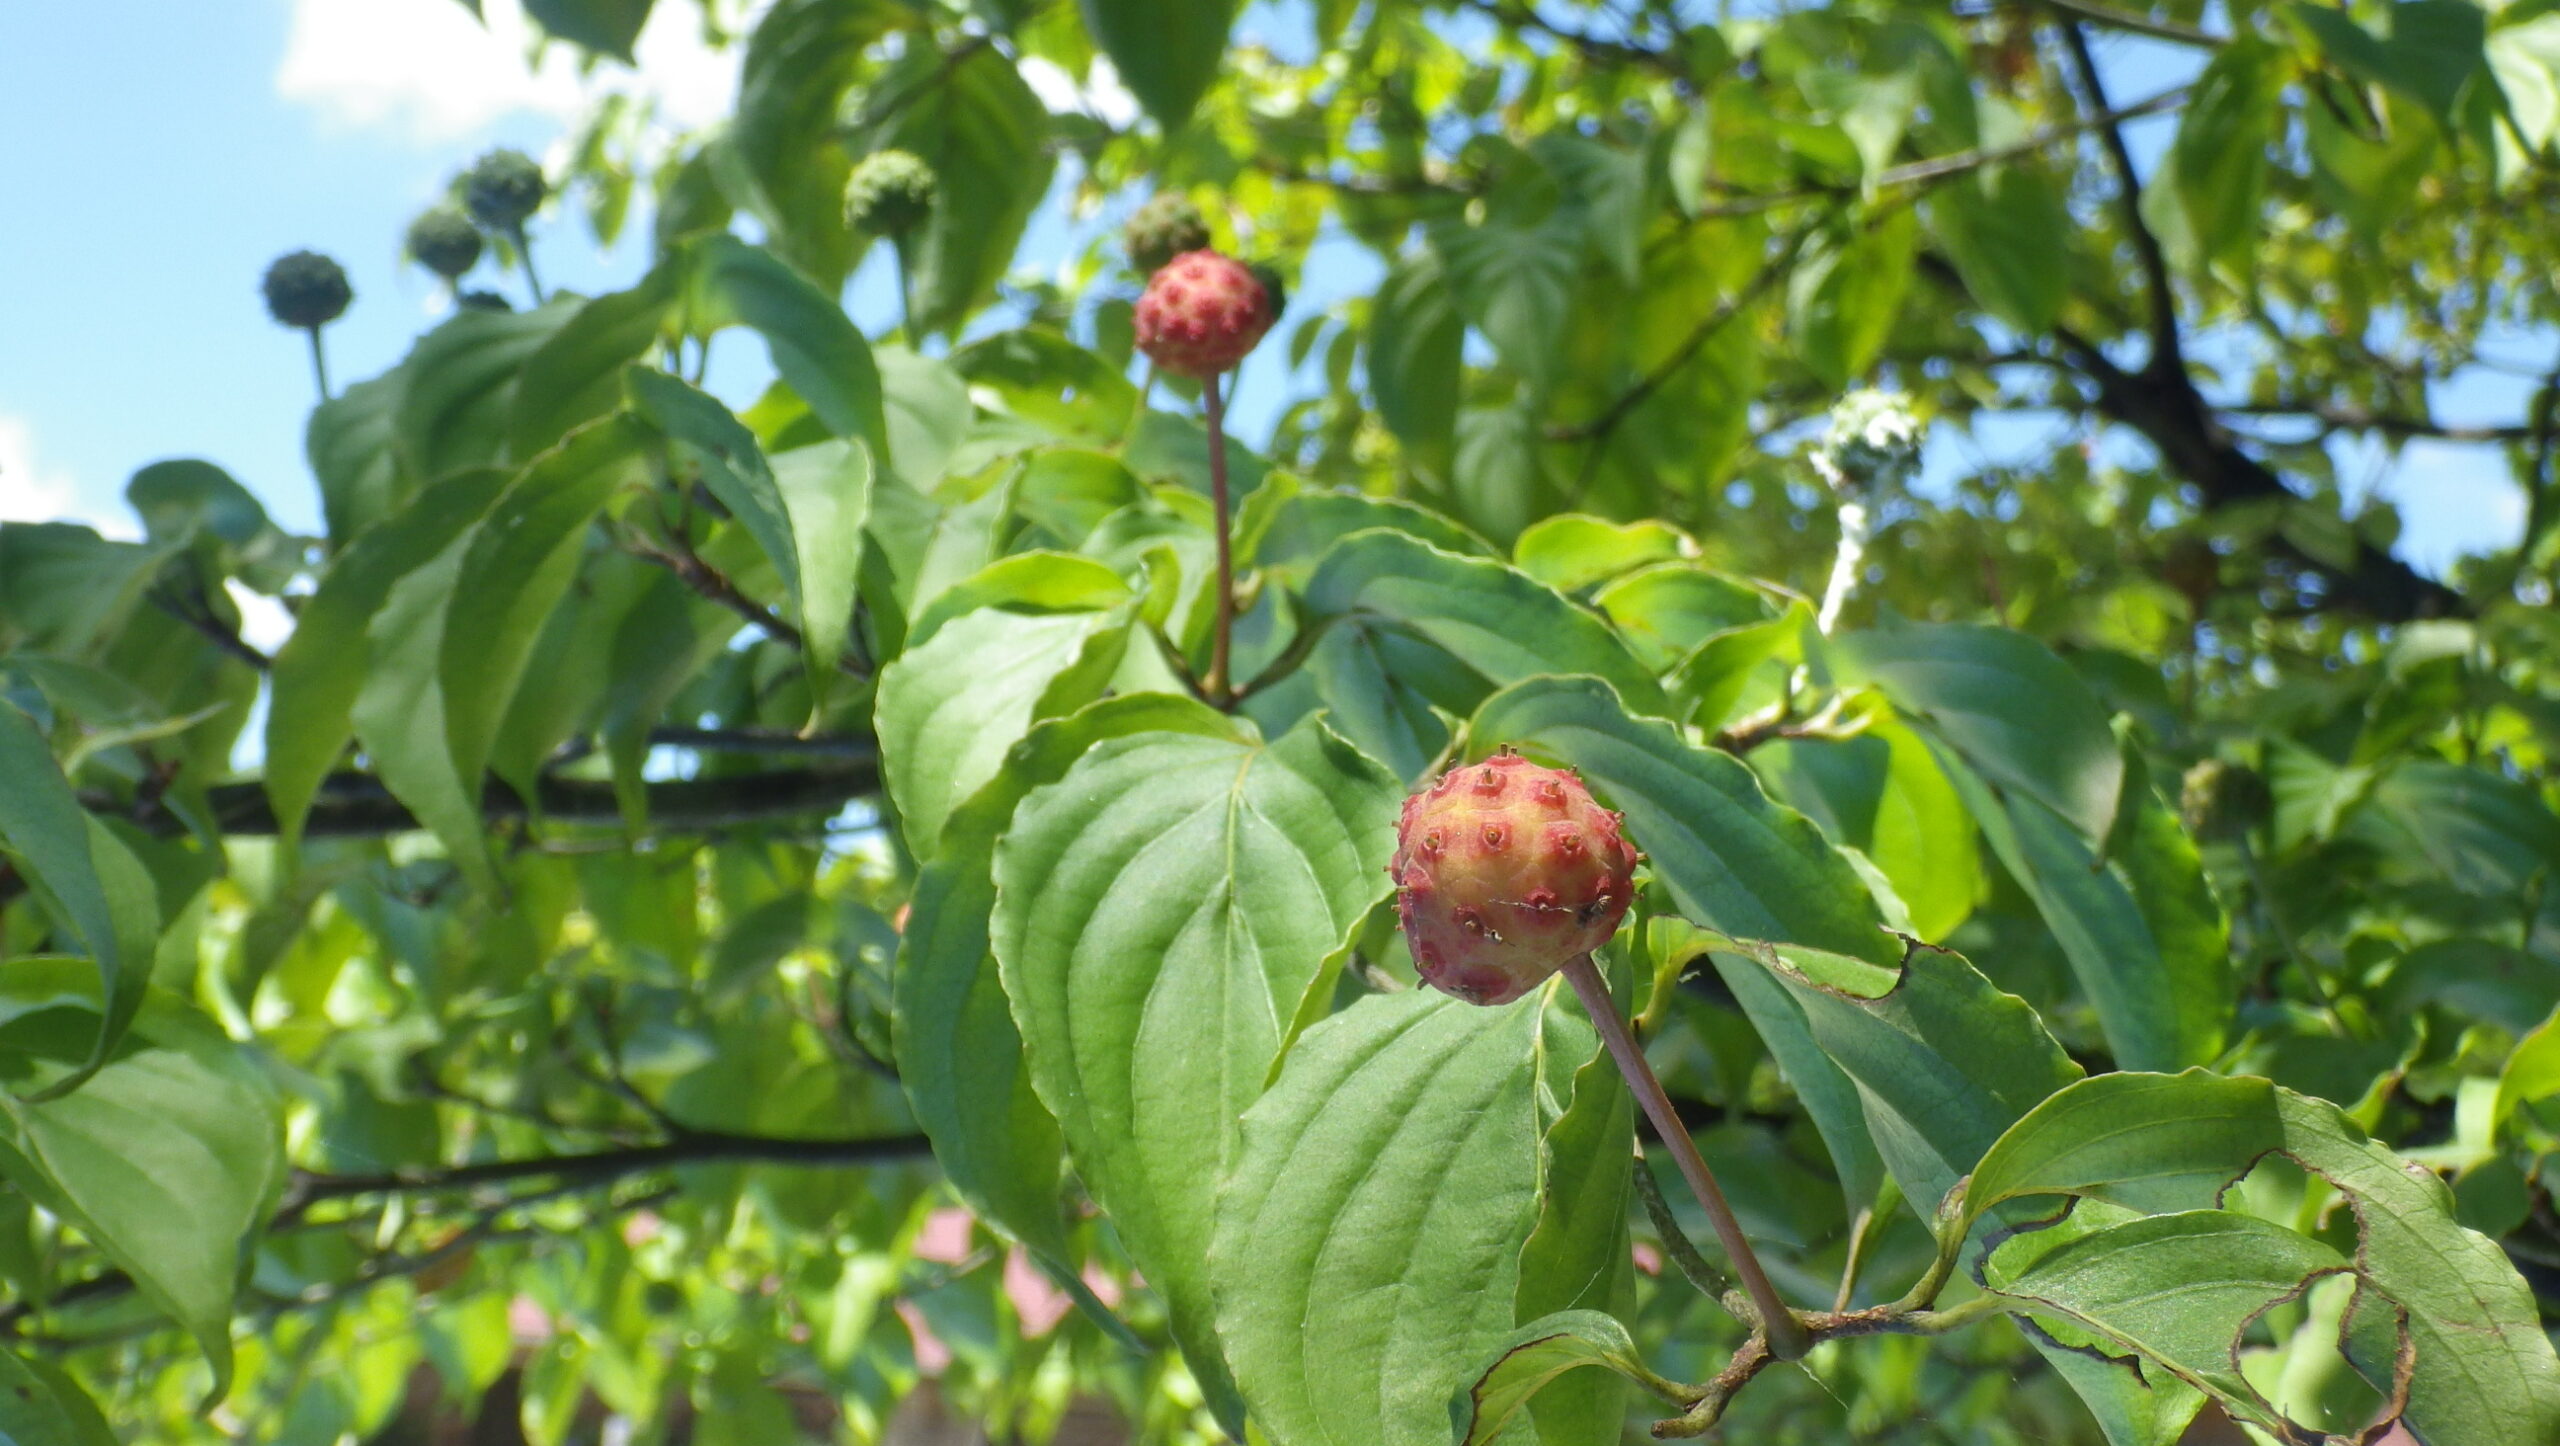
1713,679
800,59
2149,1142
2018,714
323,667
1162,911
2483,833
1028,582
461,387
168,1160
950,708
1305,527
515,567
959,1053
1515,283
815,347
2429,49
609,26
1665,611
1365,676
1494,619
1842,297
2009,234
813,544
1573,551
1167,51
1579,1256
987,136
1532,1357
1412,357
2207,199
44,1408
399,711
1368,1243
1884,794
2144,935
2483,1371
2532,1072
575,376
351,443
82,876
1043,378
2179,1290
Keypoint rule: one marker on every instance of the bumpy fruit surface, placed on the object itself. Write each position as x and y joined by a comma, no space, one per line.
445,242
2222,801
889,194
1504,871
1165,227
306,289
1201,313
503,189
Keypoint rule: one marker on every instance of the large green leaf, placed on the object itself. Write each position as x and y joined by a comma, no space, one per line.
1167,51
959,1053
515,568
1415,334
399,711
800,59
1494,619
986,135
461,387
2146,938
1369,1242
1515,284
168,1159
2206,202
2009,235
1884,794
949,709
351,444
1842,297
324,665
82,875
2012,709
2481,1370
575,376
1163,910
817,350
1045,379
2179,1290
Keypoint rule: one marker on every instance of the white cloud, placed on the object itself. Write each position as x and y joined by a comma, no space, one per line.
426,68
31,493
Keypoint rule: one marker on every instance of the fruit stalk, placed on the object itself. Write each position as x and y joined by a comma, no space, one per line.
1216,683
1784,1334
319,361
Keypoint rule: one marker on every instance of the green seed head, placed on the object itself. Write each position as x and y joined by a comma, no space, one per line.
306,289
445,242
1165,227
503,189
889,194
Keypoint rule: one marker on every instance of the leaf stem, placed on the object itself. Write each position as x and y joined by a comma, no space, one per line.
524,253
1784,1334
1215,684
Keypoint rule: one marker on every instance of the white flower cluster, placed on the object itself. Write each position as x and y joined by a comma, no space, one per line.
1873,441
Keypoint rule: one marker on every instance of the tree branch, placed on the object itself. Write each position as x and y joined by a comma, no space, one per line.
603,1166
2344,417
358,805
2166,354
1522,16
2114,19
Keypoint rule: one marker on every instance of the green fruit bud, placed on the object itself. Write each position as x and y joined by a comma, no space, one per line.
445,242
503,189
2221,801
889,194
1165,227
483,301
307,289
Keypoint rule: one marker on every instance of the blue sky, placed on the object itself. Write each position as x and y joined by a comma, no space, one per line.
156,161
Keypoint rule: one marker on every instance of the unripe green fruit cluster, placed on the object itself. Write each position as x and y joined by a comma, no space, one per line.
1165,227
1504,872
890,193
306,289
445,242
2220,801
503,189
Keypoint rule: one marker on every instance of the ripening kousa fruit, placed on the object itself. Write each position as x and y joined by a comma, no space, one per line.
1504,871
1202,312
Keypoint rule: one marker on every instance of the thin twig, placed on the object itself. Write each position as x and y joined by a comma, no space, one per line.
2166,355
1215,686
